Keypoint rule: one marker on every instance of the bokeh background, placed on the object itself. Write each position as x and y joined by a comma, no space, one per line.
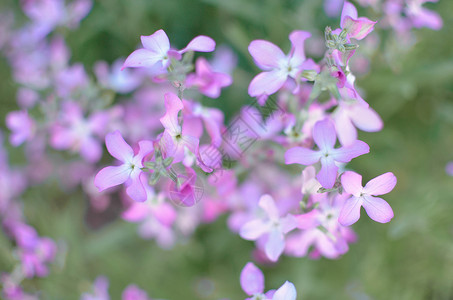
409,258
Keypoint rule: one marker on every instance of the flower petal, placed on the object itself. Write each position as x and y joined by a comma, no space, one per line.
275,245
328,173
267,203
380,185
252,279
200,43
324,134
365,118
141,58
349,10
157,42
347,153
303,156
170,120
111,176
118,147
266,55
352,183
350,213
136,190
377,209
266,83
252,230
286,292
297,38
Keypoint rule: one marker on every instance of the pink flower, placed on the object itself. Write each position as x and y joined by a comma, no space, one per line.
271,225
129,172
176,139
208,81
157,50
376,208
133,292
325,137
276,65
422,17
357,28
21,125
252,282
100,290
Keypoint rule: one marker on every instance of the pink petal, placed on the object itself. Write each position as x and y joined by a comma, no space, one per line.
145,148
275,245
328,173
428,19
91,150
352,183
118,147
268,205
347,134
347,153
252,279
136,190
157,42
111,176
288,223
297,38
358,29
380,185
324,134
170,120
266,55
136,212
377,209
303,156
141,58
253,230
266,83
350,213
200,43
349,10
365,118
286,292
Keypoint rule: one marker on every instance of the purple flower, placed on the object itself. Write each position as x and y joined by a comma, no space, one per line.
100,290
422,17
133,292
276,65
208,81
357,28
325,137
129,172
376,208
271,225
157,50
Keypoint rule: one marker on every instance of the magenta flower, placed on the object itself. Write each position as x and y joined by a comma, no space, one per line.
357,28
157,50
276,65
252,282
325,137
176,139
208,81
271,225
129,172
376,208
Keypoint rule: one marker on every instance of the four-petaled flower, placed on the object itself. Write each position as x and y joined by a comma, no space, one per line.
325,137
129,172
376,208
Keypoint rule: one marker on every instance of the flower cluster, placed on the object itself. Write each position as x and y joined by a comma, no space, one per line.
177,162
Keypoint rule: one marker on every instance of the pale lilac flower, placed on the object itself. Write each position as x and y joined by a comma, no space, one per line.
130,171
133,292
276,65
252,283
357,28
325,137
157,50
348,116
271,225
113,78
449,168
207,80
422,17
75,132
100,290
176,139
21,125
376,208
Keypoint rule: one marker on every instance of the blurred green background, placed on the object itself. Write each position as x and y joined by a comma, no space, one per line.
409,258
